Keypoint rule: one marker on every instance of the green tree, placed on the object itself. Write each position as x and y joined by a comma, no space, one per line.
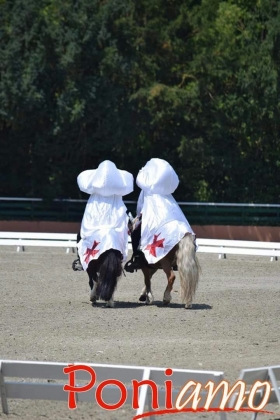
193,82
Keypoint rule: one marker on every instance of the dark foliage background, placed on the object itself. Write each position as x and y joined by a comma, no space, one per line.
194,82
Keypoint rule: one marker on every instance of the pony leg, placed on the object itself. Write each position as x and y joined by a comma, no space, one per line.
110,303
146,294
167,268
142,297
93,280
93,295
188,268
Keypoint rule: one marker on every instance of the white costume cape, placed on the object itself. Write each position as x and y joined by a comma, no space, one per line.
163,222
105,222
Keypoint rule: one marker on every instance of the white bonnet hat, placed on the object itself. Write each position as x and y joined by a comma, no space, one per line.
106,180
157,177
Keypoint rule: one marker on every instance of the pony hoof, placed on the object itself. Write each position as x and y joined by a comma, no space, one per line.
149,298
165,302
110,304
142,298
92,298
166,299
188,306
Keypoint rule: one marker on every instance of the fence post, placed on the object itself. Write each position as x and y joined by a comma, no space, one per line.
3,392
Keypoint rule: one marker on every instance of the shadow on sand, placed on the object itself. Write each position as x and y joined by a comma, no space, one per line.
195,306
157,303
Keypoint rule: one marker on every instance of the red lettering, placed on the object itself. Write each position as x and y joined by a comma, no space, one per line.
135,388
71,388
168,390
99,399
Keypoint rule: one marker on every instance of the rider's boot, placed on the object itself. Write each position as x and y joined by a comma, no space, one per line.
76,264
137,261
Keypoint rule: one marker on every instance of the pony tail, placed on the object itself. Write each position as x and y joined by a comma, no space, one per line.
109,270
188,268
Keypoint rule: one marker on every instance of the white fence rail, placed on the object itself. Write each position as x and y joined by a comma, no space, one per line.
23,239
46,380
215,246
270,374
225,246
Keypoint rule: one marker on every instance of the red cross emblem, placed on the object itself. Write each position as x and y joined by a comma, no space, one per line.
91,252
155,244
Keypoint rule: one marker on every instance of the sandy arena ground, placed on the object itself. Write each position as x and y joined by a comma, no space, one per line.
45,315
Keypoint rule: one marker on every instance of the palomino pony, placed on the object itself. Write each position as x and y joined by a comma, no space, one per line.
182,257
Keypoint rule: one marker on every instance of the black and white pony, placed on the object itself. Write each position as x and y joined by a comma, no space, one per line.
103,274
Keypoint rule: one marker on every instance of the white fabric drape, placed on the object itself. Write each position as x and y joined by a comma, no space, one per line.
163,222
105,222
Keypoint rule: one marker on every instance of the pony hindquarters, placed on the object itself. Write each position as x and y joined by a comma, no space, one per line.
110,269
188,268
